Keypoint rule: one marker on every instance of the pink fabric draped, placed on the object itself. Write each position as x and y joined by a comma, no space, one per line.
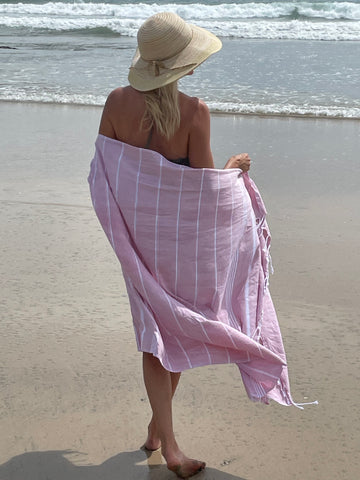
194,250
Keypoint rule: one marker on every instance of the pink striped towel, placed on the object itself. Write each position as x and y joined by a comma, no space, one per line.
194,249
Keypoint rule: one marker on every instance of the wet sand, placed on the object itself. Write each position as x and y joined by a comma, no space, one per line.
73,404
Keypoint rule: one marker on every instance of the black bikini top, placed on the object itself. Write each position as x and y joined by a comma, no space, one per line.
179,161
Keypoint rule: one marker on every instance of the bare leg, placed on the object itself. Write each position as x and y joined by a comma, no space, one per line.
153,441
159,386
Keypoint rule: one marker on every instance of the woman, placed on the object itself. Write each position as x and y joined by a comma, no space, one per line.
136,192
152,113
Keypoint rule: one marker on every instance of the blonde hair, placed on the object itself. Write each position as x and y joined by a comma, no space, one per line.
162,112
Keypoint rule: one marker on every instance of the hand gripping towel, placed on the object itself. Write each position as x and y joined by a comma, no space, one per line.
194,250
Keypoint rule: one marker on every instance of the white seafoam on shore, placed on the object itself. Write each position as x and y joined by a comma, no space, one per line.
225,19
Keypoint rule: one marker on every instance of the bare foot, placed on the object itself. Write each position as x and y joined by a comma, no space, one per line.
185,467
153,441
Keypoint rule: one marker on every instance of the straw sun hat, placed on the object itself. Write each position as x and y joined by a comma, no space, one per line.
168,49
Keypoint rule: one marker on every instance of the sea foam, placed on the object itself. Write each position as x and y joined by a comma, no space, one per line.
277,20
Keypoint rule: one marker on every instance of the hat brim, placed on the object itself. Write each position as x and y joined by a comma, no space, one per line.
202,45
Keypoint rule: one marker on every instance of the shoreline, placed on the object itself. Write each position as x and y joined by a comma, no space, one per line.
212,111
70,372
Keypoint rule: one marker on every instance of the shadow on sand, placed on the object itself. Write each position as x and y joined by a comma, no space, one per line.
69,465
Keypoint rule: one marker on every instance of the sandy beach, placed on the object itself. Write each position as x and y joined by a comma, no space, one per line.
72,401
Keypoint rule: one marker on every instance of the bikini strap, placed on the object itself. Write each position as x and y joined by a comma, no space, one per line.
148,141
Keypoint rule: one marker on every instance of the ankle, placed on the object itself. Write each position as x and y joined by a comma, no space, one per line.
170,450
152,427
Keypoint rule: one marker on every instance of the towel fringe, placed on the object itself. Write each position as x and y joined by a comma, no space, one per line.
299,405
288,399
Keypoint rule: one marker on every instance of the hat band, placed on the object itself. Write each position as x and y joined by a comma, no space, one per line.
157,64
156,68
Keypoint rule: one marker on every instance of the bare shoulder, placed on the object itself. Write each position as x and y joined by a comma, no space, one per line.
120,105
111,105
199,135
202,113
196,111
116,97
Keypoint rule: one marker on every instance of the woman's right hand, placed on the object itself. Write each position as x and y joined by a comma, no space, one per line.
242,161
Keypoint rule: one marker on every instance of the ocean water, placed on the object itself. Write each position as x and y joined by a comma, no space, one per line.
284,57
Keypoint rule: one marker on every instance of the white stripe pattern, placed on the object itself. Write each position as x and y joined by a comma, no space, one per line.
156,242
255,246
118,171
197,240
109,215
177,234
137,192
232,265
215,245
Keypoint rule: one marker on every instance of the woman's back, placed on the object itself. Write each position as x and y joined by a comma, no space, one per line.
122,120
